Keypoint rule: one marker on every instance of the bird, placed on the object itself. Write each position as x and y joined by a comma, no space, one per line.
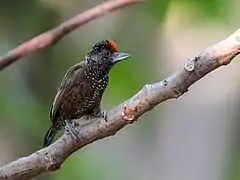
82,87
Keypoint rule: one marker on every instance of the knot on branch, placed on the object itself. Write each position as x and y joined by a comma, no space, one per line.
128,113
189,65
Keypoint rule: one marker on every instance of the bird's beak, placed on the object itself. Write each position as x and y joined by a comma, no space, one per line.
116,57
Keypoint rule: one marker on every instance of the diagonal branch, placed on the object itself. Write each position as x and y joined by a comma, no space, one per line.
51,158
54,35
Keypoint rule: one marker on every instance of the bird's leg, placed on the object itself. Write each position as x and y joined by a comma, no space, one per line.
104,115
98,113
70,129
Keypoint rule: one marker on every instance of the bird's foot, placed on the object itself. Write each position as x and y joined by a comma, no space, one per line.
100,114
104,115
70,129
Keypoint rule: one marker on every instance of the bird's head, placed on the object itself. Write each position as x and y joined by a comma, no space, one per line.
104,54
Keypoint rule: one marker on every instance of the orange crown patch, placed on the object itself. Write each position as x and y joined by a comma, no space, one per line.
112,45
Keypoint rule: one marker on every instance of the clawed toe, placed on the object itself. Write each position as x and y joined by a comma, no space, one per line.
70,129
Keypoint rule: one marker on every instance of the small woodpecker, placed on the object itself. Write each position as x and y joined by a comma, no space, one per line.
82,87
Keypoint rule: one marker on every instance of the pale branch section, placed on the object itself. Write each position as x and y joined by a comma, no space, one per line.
93,129
54,35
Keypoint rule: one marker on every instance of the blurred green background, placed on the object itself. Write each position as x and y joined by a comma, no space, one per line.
193,138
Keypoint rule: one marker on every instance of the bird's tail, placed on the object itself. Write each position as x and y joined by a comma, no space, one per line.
49,136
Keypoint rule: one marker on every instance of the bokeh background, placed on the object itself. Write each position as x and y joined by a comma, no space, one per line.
195,137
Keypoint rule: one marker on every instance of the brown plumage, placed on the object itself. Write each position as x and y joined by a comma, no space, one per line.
82,87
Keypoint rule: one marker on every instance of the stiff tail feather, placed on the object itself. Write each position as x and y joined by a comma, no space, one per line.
49,136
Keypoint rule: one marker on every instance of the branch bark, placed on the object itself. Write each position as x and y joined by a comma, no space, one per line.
54,35
51,158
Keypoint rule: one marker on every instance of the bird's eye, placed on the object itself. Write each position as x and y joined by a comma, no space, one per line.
107,53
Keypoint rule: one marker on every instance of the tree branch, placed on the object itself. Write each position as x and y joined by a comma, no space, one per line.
51,158
54,35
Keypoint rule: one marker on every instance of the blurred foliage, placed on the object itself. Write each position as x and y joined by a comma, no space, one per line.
234,165
205,9
28,86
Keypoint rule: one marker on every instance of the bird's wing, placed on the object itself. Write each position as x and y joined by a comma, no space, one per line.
68,82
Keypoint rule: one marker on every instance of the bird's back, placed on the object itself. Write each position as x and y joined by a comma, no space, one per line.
79,93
